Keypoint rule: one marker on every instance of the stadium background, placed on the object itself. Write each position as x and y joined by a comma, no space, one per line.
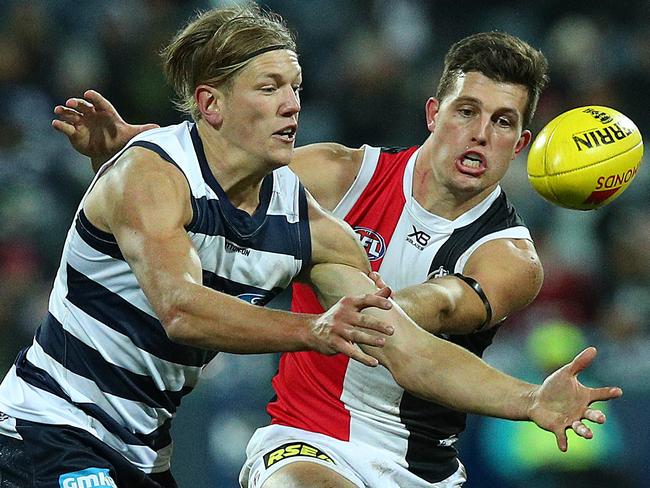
369,67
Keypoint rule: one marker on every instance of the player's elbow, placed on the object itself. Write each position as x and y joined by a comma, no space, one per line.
175,322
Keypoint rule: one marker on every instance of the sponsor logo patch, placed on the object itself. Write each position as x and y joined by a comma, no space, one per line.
295,449
253,298
232,247
418,238
87,478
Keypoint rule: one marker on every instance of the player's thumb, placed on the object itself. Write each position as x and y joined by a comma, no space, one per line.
582,360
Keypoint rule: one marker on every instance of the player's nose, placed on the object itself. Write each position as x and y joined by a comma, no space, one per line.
480,131
290,102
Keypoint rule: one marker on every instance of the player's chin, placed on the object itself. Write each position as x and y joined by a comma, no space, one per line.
282,157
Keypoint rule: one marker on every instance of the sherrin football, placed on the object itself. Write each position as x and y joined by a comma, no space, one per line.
585,157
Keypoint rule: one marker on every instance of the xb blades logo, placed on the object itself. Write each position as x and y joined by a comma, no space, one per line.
418,238
372,242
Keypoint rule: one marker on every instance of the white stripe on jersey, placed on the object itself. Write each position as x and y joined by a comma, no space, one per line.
510,233
58,411
113,274
270,269
373,401
83,390
367,170
283,202
118,349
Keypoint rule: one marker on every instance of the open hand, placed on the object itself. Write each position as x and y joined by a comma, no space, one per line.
562,402
94,127
342,327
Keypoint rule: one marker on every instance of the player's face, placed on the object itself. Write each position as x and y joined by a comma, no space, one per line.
260,111
476,132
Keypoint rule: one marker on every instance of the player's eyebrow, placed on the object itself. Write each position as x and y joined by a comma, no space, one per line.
476,101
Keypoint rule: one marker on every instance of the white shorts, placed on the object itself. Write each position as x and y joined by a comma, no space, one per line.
275,446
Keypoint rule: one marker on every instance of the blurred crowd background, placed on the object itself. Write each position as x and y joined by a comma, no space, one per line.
369,66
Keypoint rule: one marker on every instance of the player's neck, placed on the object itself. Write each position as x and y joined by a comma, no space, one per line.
239,177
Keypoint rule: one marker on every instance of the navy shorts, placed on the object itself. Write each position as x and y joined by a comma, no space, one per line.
55,456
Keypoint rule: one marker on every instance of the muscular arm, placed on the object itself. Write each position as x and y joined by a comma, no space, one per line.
440,371
145,203
509,272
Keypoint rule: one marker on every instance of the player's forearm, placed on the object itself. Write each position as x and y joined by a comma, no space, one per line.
442,372
430,367
205,318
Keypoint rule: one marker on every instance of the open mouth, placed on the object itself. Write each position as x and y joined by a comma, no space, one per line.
288,134
472,163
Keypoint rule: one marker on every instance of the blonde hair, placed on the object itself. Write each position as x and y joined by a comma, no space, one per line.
215,45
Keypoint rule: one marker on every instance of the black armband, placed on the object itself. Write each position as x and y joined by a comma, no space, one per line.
479,291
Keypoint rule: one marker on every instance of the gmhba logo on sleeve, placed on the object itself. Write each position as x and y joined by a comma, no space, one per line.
87,478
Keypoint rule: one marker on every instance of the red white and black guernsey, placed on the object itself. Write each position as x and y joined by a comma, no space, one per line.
406,244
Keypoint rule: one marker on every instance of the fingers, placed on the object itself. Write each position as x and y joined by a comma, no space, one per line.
604,393
64,127
378,300
561,439
370,323
82,106
377,279
384,292
582,360
357,354
581,429
368,337
67,112
595,416
98,100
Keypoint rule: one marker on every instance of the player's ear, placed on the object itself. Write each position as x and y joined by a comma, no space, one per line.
431,111
523,142
209,101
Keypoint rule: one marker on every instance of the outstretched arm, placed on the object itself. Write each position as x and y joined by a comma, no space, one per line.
440,371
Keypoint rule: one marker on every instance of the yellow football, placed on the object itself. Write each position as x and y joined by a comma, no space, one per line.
585,157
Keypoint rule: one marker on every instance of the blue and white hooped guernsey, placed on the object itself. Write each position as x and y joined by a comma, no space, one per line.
101,360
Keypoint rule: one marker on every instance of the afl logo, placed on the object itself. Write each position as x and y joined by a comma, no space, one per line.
253,298
372,242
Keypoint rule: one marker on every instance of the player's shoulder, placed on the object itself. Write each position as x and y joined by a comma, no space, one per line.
327,152
168,132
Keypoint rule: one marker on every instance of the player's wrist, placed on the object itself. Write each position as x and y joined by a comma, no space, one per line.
311,332
530,403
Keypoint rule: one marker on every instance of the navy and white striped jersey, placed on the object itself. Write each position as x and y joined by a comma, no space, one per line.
101,361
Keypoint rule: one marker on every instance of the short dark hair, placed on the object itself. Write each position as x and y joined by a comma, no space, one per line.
218,43
501,57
